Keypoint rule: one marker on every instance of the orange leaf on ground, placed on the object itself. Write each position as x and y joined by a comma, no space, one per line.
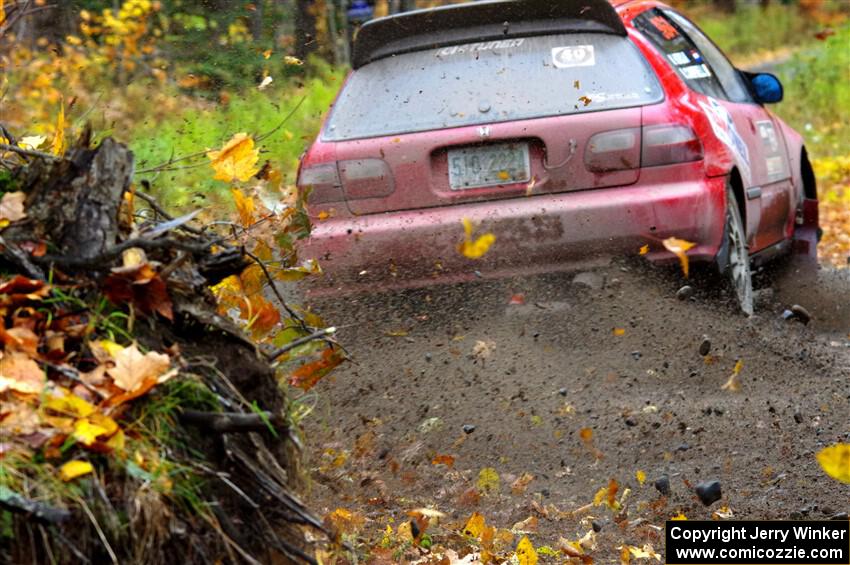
142,286
20,339
446,460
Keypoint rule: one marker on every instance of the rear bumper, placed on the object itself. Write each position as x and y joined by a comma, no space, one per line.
533,234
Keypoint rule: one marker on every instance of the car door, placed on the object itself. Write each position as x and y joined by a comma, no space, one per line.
770,185
743,126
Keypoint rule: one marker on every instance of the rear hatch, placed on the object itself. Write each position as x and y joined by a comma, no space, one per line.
482,121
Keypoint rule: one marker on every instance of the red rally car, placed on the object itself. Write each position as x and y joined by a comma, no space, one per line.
569,130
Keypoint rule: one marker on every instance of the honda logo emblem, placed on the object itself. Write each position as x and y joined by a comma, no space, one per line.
484,132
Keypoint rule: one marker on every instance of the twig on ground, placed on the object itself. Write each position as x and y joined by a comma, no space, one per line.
115,251
39,511
229,422
21,258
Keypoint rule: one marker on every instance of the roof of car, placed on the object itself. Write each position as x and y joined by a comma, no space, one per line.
481,21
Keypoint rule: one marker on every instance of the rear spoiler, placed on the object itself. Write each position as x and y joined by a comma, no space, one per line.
481,21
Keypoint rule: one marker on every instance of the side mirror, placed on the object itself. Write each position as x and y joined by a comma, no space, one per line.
766,88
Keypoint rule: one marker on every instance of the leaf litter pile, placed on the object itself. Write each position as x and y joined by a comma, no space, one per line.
144,413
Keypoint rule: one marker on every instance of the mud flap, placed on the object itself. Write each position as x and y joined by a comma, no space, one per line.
807,234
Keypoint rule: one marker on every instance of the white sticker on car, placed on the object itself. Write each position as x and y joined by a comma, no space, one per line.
695,71
679,59
774,155
724,129
573,56
481,46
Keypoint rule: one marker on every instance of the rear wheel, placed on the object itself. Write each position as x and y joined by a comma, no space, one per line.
738,264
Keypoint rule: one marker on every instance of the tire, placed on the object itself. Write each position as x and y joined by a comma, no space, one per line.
737,269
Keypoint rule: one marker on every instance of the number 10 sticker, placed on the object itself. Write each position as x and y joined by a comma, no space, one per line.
574,56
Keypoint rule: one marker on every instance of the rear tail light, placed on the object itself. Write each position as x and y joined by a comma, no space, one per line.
323,183
366,178
613,151
668,144
651,146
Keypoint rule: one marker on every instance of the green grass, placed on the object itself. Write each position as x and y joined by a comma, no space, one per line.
817,95
251,111
752,31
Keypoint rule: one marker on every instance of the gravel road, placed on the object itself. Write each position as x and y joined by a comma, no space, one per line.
464,372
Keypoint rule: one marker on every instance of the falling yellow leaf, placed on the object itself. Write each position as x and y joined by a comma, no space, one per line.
641,477
477,248
132,367
237,160
835,461
525,552
679,247
73,469
244,206
644,250
734,382
488,480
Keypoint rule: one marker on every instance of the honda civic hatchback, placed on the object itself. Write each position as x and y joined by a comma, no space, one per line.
566,132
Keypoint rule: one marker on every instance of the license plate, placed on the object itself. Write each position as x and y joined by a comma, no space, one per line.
488,165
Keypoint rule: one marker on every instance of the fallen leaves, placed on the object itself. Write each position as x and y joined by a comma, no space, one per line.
132,367
20,373
237,160
525,552
12,208
474,248
488,481
73,469
679,247
446,460
835,461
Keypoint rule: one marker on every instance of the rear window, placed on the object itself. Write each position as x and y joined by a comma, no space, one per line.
494,81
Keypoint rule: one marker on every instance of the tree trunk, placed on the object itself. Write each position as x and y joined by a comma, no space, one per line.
728,6
305,29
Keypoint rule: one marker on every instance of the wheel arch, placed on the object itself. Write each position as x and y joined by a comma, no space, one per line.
807,175
737,184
